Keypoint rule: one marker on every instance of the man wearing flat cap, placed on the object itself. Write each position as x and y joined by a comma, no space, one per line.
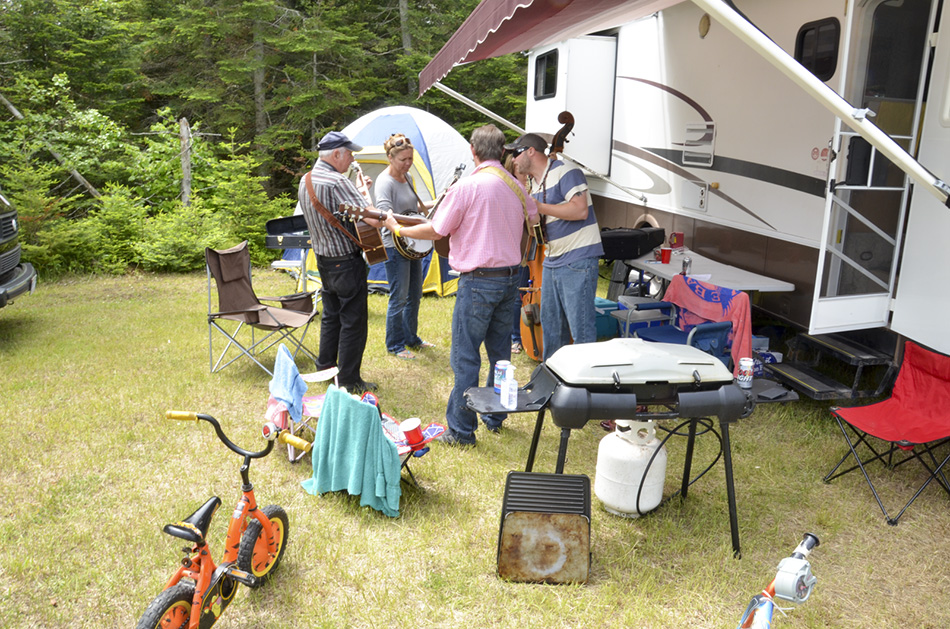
343,324
569,276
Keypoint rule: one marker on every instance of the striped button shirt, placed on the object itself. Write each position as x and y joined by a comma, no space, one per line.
332,189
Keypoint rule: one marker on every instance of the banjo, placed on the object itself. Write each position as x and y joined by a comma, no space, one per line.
411,248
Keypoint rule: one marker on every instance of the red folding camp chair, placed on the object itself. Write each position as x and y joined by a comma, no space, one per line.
913,424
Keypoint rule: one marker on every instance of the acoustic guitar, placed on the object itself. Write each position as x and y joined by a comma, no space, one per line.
442,244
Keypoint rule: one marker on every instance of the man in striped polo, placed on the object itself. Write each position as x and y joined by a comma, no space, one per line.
569,278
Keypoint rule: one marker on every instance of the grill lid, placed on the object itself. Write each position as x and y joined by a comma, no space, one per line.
635,361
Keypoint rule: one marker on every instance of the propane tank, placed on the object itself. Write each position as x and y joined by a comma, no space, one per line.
622,460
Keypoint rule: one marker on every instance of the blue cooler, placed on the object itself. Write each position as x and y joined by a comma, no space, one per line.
606,324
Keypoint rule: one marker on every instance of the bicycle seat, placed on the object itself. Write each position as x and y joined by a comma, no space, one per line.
194,528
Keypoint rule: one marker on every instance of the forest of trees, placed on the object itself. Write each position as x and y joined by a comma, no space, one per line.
95,94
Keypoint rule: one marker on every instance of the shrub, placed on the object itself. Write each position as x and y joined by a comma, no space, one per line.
175,241
119,224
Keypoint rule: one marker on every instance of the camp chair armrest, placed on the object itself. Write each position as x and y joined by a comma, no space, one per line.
301,302
224,313
653,305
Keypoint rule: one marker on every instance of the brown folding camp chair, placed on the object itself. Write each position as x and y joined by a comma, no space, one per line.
913,424
239,306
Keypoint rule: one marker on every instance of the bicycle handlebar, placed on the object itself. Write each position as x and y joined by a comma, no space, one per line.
300,444
809,541
192,416
182,415
793,582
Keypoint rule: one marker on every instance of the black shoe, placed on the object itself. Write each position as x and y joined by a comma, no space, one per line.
449,439
359,387
490,428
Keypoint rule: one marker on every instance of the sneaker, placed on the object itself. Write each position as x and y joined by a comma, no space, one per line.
449,439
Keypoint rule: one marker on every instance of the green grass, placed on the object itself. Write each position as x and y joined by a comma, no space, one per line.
91,471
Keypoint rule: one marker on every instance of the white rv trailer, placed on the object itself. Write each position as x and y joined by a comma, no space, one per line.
723,120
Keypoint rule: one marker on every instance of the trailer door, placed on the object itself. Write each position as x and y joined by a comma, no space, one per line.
864,214
922,299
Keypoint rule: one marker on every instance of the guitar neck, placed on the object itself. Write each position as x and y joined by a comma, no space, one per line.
359,213
361,181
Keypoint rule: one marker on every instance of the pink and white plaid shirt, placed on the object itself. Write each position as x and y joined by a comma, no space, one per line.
484,220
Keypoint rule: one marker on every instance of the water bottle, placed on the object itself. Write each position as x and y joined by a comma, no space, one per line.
509,397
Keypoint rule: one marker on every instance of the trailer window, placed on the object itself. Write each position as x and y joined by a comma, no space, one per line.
816,47
545,75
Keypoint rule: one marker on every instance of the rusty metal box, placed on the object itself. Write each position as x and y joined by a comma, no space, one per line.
545,528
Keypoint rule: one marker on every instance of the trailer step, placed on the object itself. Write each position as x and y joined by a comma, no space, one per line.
812,357
843,349
808,381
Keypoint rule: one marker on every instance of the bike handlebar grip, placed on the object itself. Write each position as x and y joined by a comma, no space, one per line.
300,444
809,541
182,415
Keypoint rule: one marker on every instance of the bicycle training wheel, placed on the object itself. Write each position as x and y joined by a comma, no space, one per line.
259,555
169,610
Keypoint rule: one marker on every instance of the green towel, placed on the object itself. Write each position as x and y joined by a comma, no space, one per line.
351,453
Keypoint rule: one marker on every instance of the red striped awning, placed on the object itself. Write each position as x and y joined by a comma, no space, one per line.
499,27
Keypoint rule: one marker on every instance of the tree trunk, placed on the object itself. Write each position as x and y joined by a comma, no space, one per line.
260,97
406,41
185,136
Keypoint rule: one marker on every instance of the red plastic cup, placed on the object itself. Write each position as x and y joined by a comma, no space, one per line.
412,428
665,255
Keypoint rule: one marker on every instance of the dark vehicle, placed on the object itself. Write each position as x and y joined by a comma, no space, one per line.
15,278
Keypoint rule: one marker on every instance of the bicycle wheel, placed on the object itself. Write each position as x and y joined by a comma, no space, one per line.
259,555
169,610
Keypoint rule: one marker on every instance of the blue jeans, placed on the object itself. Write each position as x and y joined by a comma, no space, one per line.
567,304
524,276
482,314
405,293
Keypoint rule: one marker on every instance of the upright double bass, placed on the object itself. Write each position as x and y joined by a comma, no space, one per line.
531,337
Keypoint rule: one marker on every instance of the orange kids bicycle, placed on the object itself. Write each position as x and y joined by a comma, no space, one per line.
200,590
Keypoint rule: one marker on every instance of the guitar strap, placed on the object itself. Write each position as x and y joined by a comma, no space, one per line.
422,205
504,176
330,218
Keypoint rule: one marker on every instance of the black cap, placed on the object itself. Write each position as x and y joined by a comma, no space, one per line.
528,140
335,140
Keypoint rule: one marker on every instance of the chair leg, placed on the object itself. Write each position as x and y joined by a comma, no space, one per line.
862,438
405,466
249,352
863,471
935,472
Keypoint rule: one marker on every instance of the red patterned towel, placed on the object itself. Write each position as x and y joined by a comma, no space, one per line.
700,302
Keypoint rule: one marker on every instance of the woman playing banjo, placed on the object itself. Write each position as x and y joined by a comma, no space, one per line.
394,191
